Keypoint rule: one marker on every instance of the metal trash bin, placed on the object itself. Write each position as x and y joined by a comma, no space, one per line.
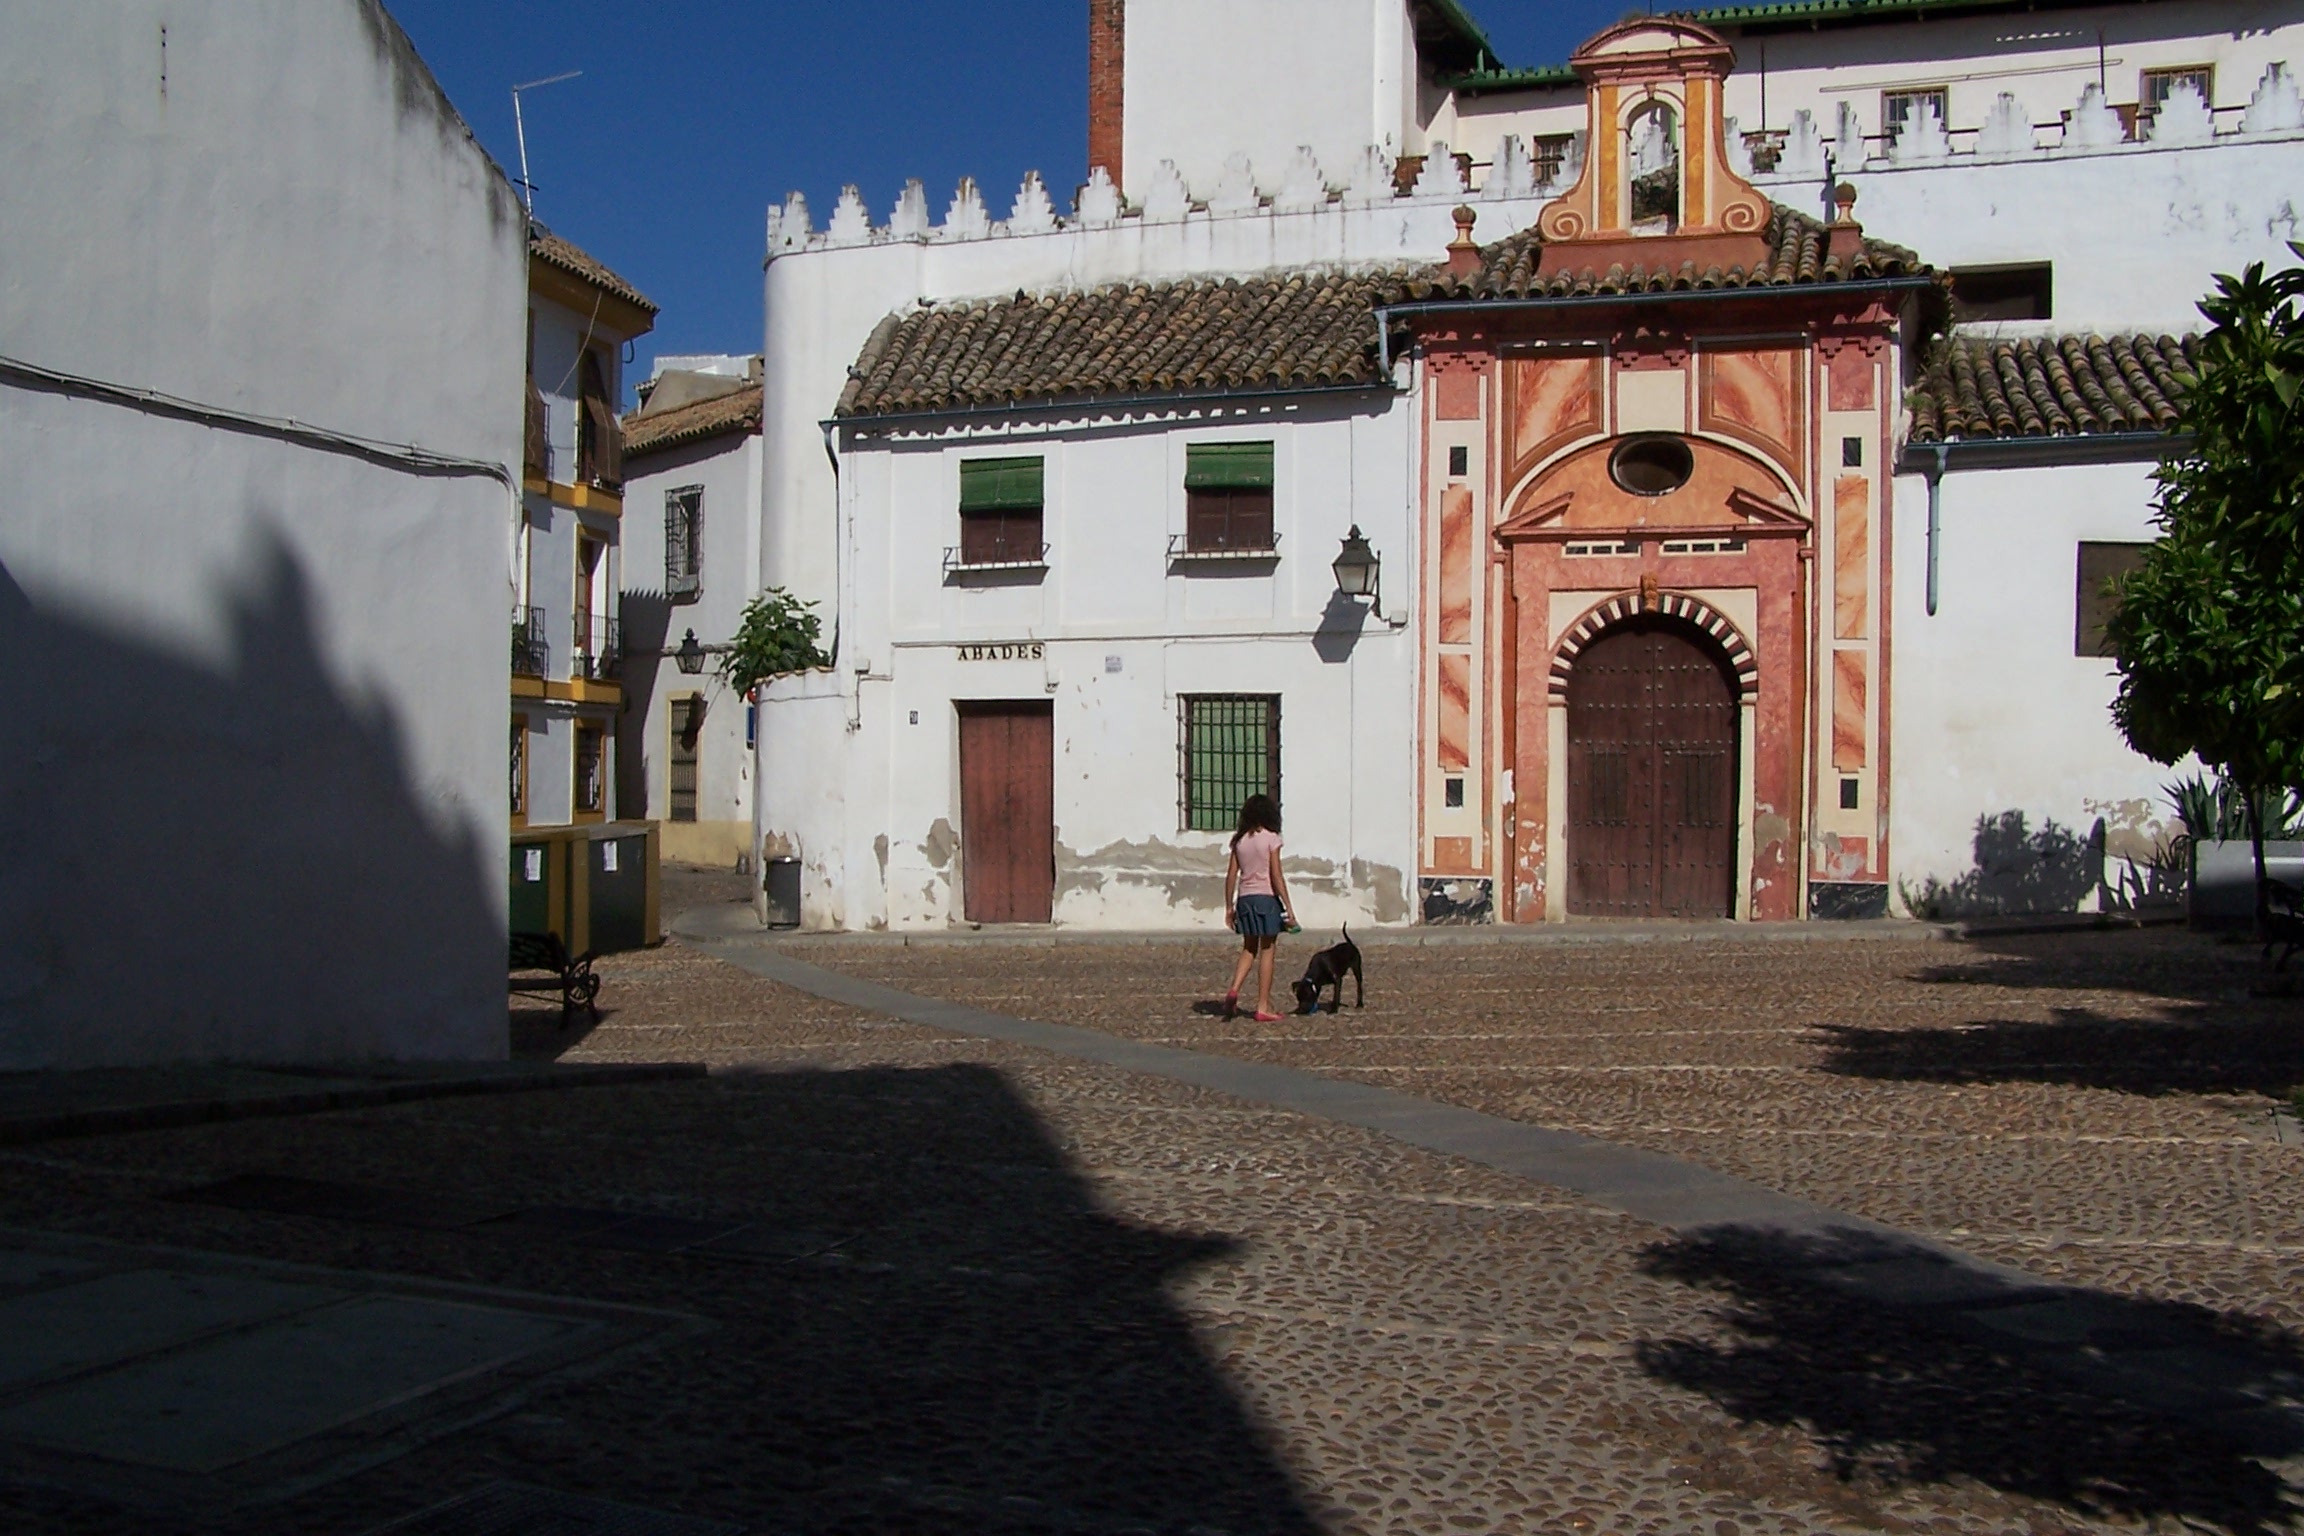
780,878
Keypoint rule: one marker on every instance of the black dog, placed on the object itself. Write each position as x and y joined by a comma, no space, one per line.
1327,970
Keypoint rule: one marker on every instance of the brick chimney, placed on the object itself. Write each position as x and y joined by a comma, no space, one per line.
1107,76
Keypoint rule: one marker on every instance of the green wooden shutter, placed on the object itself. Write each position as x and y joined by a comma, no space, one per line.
1000,485
1228,467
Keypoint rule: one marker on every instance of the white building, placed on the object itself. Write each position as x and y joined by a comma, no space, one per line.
692,537
1887,545
260,433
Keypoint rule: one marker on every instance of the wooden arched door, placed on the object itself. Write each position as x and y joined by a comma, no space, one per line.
1652,723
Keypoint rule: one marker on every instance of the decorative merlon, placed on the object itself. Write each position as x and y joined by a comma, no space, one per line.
1167,200
1235,188
2276,107
1099,201
1440,175
1033,213
1301,186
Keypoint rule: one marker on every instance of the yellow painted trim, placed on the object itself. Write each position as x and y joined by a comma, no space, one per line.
527,769
524,687
615,316
654,919
580,690
536,485
584,498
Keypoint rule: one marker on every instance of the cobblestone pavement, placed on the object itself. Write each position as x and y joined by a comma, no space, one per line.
1002,1291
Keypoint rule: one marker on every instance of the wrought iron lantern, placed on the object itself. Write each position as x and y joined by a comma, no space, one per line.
690,657
1359,571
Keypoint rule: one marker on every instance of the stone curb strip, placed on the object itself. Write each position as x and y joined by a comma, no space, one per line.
250,1093
2124,1348
707,924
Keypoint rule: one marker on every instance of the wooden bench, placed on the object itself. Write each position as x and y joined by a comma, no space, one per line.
2284,925
541,967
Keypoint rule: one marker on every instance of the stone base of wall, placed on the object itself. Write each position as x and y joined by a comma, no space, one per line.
1446,901
716,844
1846,899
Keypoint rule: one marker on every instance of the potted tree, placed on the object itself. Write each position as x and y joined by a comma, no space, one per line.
2210,628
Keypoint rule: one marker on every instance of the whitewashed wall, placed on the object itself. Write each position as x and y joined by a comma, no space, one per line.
1123,634
728,470
1211,79
1993,713
252,787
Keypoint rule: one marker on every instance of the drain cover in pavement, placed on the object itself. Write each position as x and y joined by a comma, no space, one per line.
516,1509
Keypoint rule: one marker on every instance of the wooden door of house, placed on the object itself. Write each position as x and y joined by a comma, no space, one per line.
1008,811
1652,723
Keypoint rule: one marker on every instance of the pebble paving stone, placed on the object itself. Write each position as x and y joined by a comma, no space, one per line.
972,1286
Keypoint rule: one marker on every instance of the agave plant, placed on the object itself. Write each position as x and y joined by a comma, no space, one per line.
2216,811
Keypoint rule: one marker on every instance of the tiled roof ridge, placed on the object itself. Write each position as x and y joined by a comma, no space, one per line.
1293,328
737,410
574,260
1799,252
1306,327
1982,387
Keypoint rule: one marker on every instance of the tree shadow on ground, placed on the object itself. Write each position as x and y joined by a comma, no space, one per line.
2164,963
2083,1049
1901,1397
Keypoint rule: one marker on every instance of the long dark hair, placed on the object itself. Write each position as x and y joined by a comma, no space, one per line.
1258,813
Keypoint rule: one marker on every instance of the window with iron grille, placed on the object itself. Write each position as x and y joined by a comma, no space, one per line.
1899,108
687,726
1001,502
1228,498
2156,85
1228,748
591,776
684,543
519,767
1549,153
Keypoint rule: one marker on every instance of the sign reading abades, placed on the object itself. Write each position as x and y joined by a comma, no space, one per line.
1007,650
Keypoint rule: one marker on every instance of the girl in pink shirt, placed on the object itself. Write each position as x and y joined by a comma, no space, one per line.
1256,896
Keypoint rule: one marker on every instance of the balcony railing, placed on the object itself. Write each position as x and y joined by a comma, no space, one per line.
599,652
531,652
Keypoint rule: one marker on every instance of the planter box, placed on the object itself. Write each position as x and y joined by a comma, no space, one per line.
2224,880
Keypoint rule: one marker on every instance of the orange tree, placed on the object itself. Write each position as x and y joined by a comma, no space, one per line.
2209,632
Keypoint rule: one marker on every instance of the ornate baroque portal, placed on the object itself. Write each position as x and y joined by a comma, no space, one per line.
1655,441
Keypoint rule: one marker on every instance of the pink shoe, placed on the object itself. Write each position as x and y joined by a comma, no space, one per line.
1266,1018
1231,1005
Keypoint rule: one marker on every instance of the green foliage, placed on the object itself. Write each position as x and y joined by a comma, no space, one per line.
2218,812
2210,629
777,634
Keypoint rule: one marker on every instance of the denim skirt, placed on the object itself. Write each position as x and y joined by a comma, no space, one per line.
1258,917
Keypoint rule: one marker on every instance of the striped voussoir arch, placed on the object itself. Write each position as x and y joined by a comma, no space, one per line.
1679,605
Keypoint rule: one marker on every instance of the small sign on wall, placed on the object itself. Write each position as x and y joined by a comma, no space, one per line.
532,865
608,858
1007,650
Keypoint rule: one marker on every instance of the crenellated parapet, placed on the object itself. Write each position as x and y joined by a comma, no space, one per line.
1241,190
2007,133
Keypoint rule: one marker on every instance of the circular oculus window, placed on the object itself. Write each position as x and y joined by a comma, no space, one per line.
1652,466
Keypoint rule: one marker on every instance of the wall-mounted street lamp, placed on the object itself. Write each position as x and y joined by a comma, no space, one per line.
1359,571
690,657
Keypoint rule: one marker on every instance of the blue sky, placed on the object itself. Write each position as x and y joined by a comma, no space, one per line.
693,115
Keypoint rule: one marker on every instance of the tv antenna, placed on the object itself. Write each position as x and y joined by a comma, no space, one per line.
520,130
